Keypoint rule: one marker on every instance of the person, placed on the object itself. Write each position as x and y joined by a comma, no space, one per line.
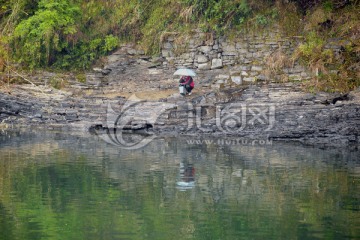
187,176
188,82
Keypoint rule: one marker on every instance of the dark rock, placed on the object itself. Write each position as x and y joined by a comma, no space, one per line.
70,117
155,65
344,97
106,71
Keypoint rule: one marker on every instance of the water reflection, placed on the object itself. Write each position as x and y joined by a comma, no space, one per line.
187,176
56,186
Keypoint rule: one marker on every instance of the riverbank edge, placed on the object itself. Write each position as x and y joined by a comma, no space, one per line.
322,120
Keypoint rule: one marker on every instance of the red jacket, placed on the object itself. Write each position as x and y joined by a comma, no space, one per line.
187,80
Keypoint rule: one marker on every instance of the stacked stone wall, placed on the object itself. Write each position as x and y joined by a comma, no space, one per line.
249,57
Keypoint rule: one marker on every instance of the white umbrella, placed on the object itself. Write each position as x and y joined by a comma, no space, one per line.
185,72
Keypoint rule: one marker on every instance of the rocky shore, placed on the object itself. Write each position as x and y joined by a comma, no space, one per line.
135,94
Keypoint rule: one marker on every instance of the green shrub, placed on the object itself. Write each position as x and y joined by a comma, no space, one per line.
311,50
57,82
57,35
38,38
110,43
219,14
81,77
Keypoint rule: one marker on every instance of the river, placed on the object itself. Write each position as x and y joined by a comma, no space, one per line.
57,185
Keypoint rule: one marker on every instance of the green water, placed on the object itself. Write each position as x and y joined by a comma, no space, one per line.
60,186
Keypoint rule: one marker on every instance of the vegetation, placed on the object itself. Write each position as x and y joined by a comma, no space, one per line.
334,70
73,34
58,192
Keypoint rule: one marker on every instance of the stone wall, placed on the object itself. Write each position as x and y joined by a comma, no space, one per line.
219,62
250,57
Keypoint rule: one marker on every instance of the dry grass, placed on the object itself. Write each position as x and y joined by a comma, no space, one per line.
165,35
276,61
349,25
316,18
187,14
179,40
4,126
2,65
290,20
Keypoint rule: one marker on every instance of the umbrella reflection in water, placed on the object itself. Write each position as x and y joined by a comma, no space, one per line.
187,176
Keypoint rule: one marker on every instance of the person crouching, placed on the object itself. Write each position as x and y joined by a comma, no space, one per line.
188,83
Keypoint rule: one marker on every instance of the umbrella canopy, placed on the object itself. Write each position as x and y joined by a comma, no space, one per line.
185,72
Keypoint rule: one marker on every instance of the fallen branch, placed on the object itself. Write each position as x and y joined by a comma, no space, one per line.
27,80
24,78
